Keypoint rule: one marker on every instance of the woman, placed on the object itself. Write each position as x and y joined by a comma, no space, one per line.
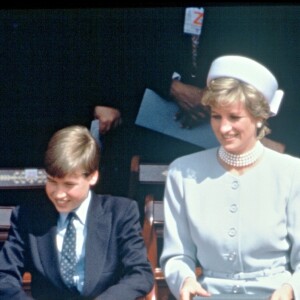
235,209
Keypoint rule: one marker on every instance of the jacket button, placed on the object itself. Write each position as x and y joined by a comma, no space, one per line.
233,208
232,232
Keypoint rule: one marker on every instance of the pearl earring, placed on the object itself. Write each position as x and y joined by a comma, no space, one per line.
259,124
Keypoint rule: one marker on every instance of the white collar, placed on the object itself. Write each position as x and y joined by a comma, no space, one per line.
81,211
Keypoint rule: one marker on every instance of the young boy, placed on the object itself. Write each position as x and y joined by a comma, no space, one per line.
109,259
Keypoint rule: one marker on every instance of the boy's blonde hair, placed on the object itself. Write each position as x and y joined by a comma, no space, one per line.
71,149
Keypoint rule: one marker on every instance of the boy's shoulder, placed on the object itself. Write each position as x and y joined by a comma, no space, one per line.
112,202
118,207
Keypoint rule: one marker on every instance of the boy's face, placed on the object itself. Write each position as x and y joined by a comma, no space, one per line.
69,192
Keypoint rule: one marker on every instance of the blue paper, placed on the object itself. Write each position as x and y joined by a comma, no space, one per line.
94,130
157,114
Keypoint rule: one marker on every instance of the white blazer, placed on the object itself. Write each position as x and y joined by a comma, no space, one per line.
243,230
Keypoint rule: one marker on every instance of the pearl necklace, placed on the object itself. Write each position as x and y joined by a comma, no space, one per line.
242,160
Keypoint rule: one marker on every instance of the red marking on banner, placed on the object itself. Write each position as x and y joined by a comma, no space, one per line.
198,19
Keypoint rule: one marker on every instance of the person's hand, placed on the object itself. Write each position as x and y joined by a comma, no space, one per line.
109,118
190,288
191,112
285,292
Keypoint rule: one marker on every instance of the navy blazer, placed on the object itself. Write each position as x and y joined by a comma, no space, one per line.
116,260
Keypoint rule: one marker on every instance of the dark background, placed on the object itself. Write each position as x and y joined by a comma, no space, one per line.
56,64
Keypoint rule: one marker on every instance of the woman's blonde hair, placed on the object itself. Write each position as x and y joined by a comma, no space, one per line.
225,91
71,149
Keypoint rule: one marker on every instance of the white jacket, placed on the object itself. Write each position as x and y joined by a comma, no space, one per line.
243,230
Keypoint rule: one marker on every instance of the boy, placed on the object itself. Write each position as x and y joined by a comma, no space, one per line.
109,257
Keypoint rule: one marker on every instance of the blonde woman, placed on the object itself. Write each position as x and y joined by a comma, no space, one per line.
234,209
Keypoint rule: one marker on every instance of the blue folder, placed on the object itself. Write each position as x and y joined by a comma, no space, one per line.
157,114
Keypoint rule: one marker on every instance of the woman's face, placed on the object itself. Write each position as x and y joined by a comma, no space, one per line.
234,127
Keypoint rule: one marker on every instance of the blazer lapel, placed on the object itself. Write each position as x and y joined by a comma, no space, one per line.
98,233
48,251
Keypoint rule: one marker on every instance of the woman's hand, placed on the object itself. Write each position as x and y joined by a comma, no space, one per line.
190,288
285,292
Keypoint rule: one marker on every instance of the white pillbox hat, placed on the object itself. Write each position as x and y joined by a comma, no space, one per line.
251,72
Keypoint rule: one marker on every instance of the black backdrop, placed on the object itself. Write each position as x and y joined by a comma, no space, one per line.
56,64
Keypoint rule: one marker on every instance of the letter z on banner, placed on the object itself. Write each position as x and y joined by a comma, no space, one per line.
193,25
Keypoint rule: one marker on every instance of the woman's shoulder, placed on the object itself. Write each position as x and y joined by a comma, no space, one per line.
284,162
282,157
197,158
